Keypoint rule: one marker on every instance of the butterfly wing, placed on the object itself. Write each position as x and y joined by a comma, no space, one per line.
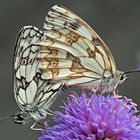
72,50
29,88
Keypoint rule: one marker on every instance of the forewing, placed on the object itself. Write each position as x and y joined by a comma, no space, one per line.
72,49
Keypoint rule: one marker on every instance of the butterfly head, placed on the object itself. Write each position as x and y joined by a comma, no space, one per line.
117,79
19,118
120,77
27,115
109,84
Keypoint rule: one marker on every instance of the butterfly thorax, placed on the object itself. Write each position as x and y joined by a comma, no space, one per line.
106,84
35,113
109,84
28,114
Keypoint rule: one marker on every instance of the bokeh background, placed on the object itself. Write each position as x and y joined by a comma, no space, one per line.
116,21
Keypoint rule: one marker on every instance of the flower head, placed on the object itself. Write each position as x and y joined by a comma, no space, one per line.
96,118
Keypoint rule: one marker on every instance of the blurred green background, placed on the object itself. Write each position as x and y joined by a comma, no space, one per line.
116,21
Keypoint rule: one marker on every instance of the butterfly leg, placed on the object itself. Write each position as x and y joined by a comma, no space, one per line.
63,88
116,95
52,113
91,96
35,128
95,91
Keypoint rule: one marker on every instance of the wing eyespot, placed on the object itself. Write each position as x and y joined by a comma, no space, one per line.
96,41
54,52
30,61
74,37
54,63
69,41
24,61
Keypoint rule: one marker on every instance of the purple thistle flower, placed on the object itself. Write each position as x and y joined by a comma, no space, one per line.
97,118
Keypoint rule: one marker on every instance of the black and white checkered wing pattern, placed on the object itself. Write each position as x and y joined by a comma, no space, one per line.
29,88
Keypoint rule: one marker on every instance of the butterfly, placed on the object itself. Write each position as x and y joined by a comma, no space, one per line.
33,94
68,52
72,53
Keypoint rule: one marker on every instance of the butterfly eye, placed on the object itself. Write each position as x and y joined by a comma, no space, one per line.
19,119
24,61
122,77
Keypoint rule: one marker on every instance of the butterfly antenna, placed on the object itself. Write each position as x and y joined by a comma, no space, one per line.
132,71
5,118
